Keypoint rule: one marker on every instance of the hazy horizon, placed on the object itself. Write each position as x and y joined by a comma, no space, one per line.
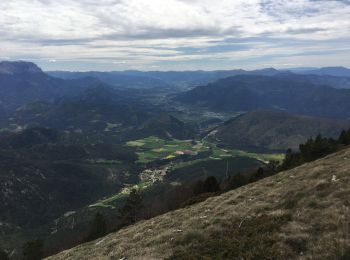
177,35
191,70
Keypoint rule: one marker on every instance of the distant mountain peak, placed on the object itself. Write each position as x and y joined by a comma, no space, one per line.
335,67
338,71
18,67
267,69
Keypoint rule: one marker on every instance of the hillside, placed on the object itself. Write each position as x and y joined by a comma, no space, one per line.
340,82
247,93
42,176
302,213
116,79
274,131
24,82
100,114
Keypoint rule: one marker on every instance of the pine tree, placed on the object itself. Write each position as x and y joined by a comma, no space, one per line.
3,255
260,173
98,228
237,180
211,184
198,188
33,250
128,214
344,137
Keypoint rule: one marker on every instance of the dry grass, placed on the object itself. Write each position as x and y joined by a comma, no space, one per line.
302,213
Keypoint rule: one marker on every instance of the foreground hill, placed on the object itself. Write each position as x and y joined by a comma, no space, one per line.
302,213
274,131
247,93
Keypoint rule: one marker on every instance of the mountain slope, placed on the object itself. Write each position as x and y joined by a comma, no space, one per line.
274,131
116,79
42,176
101,114
24,82
302,213
321,80
247,93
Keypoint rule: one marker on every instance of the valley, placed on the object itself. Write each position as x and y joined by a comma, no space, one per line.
175,130
287,209
68,156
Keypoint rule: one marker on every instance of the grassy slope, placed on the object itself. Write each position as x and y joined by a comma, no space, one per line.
309,206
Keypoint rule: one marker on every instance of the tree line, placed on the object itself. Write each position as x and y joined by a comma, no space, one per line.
313,149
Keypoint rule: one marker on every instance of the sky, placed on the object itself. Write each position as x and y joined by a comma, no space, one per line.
107,35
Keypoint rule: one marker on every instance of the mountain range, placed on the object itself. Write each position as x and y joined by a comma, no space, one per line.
24,82
247,93
73,144
332,71
335,77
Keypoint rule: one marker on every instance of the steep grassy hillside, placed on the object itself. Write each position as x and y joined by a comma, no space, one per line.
298,214
264,130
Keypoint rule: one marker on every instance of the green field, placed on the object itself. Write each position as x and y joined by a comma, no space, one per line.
117,199
153,148
263,157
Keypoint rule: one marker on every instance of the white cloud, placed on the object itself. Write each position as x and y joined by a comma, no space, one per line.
140,32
